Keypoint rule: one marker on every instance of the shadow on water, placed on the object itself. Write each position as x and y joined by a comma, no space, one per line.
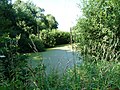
58,59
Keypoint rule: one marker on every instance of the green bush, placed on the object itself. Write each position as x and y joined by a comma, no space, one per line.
12,64
32,44
24,45
55,37
48,38
98,30
62,37
38,45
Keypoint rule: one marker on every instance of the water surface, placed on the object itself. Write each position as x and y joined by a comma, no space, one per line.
59,58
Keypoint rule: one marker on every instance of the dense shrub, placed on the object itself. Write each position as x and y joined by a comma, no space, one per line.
54,37
24,45
8,44
31,44
37,44
62,37
102,75
98,30
48,38
11,62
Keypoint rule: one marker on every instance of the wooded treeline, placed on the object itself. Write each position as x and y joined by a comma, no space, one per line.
29,26
98,30
24,28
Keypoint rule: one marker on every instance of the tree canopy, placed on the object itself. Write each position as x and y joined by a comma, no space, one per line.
99,28
24,18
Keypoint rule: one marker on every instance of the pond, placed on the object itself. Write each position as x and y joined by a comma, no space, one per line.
59,58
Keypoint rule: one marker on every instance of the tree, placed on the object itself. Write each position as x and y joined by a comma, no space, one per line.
7,18
11,61
52,23
99,29
29,18
25,17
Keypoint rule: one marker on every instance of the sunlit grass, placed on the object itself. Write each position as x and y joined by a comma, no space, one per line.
96,75
102,75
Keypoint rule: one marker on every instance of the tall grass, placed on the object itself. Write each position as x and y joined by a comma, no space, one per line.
102,75
94,75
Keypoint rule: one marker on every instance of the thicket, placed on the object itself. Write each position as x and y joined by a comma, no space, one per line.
20,26
12,64
47,39
54,37
98,31
22,20
102,75
31,44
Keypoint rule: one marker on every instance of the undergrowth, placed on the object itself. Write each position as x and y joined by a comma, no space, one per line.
101,75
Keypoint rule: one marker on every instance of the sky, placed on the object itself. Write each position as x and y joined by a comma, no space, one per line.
66,12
